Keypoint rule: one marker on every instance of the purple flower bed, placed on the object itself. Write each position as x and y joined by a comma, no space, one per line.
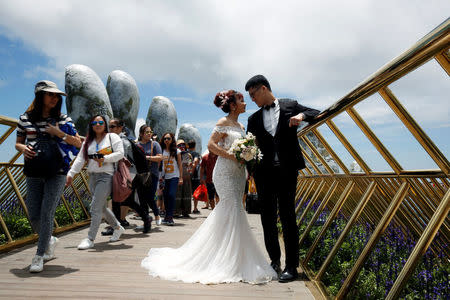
430,280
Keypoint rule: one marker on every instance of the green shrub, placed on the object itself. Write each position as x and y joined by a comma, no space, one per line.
2,239
62,216
18,226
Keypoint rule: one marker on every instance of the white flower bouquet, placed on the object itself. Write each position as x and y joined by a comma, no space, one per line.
246,151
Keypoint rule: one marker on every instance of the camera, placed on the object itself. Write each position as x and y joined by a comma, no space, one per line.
95,155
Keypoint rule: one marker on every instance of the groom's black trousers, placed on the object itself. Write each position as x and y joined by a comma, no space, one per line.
276,186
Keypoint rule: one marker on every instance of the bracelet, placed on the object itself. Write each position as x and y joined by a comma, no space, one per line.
64,137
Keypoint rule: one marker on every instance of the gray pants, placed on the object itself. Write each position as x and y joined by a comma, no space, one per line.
101,187
43,196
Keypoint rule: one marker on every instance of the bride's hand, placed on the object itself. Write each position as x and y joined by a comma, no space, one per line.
232,157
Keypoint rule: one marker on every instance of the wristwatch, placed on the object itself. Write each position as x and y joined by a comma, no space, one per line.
64,137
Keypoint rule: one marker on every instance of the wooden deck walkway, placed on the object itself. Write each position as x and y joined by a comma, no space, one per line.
113,271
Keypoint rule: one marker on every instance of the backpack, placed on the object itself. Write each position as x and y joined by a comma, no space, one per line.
48,159
139,158
144,175
121,181
121,185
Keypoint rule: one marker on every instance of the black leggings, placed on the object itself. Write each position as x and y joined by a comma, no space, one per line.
147,196
130,203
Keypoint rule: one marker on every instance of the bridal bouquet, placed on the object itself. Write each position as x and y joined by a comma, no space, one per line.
246,151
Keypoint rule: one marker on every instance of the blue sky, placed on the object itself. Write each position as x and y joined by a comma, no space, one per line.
188,50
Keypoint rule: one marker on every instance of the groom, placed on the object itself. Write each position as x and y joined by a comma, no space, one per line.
275,127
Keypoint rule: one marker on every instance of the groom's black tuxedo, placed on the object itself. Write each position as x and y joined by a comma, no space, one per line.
276,177
285,141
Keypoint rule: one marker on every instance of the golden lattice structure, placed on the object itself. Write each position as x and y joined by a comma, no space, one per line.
415,200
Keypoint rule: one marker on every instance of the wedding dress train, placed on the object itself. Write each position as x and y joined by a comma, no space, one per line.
223,249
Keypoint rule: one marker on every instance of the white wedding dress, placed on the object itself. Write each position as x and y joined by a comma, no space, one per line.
223,249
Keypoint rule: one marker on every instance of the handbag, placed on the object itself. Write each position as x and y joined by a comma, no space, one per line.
142,178
48,159
252,205
121,179
201,193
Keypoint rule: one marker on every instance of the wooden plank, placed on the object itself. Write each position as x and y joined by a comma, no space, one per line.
113,271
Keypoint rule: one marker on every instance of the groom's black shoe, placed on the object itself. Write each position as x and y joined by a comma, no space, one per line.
276,266
289,274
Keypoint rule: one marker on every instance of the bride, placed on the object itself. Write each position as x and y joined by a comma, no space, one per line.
223,249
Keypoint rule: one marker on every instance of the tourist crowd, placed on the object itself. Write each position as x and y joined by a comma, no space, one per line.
162,174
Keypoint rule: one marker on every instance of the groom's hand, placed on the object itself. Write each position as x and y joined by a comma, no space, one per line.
296,120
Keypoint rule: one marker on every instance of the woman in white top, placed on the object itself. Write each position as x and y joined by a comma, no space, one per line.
101,149
172,174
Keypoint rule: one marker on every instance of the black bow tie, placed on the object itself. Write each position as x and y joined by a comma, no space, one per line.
267,107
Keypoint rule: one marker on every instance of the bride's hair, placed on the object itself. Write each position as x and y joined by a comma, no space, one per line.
224,98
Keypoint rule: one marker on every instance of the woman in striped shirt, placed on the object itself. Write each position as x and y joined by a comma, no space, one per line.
43,193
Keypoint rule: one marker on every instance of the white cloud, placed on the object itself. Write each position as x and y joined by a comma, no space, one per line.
208,124
189,100
317,50
37,70
443,126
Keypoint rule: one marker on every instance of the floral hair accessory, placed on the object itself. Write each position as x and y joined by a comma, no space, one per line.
224,98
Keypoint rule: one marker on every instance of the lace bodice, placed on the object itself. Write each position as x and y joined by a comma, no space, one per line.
232,132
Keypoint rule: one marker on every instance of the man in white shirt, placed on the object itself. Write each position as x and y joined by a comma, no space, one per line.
275,127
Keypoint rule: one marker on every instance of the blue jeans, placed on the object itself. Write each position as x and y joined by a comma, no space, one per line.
170,191
43,196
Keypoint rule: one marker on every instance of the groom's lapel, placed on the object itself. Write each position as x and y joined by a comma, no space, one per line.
259,119
260,125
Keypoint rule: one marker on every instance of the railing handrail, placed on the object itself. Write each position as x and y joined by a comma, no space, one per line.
4,120
424,50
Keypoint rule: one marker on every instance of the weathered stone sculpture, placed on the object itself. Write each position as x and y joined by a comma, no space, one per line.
188,133
162,116
355,168
86,96
323,152
124,97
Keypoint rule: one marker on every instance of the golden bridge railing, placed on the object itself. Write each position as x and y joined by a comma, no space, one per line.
414,200
15,228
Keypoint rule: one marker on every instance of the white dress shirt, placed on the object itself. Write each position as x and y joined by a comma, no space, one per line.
271,117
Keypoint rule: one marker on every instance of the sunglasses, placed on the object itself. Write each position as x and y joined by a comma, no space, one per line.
93,123
148,132
181,145
112,126
167,139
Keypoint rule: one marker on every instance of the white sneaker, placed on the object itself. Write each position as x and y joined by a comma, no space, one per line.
86,244
37,264
50,252
158,221
116,234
